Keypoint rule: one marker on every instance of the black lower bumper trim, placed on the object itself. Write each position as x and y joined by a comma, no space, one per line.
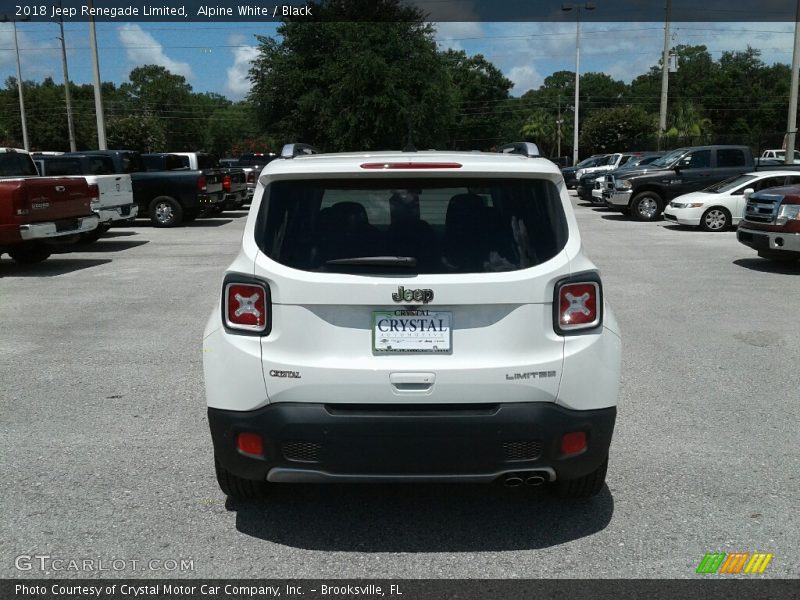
403,441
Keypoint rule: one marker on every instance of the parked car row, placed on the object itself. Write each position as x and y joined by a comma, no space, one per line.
713,188
79,196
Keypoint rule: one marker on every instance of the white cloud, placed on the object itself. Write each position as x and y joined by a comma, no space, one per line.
451,34
38,58
525,78
143,49
238,84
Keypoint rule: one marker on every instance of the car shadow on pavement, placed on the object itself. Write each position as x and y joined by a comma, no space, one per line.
114,233
617,217
769,266
101,245
420,518
200,222
49,268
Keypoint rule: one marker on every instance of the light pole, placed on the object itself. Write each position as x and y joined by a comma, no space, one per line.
70,124
98,94
577,8
662,115
6,19
791,122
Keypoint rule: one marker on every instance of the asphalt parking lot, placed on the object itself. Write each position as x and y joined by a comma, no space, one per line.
104,449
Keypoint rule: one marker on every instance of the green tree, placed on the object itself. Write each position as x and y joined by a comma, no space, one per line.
687,123
480,92
140,131
541,128
617,129
357,84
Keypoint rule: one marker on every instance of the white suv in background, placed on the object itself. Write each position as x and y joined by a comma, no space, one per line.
411,316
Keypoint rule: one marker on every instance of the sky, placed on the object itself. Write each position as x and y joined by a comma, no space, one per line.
214,57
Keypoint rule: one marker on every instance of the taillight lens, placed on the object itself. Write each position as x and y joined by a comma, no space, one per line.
251,177
226,183
246,307
579,305
94,193
201,183
250,443
573,443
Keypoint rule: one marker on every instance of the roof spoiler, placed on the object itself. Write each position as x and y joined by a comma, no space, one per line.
528,149
292,150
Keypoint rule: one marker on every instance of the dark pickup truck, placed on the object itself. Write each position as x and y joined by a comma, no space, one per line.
644,193
234,179
35,210
168,198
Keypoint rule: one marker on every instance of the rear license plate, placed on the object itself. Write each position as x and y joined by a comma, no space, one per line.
67,225
406,331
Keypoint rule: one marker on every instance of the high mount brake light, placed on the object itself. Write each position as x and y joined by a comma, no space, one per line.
578,305
411,165
246,307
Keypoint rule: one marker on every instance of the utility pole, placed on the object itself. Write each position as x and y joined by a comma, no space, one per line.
577,7
6,19
791,126
98,95
662,118
558,122
70,125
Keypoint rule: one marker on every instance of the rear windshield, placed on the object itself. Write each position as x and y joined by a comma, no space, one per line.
16,164
62,166
420,226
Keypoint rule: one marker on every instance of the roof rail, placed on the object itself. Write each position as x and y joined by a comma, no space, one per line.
292,150
524,148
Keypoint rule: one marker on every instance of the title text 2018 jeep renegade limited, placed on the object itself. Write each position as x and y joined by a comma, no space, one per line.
422,316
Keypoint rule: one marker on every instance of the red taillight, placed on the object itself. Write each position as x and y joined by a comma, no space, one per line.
579,305
201,183
94,193
226,183
251,177
574,442
250,443
246,307
411,165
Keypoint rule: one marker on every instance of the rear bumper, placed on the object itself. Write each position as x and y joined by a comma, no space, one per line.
54,229
768,240
318,442
117,213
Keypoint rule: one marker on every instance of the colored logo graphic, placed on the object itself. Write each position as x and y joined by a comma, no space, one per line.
733,564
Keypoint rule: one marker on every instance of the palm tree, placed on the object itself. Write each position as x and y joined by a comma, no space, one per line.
687,122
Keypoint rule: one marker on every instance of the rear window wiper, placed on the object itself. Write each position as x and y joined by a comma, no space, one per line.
375,261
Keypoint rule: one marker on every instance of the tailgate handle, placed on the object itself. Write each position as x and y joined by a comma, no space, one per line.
412,382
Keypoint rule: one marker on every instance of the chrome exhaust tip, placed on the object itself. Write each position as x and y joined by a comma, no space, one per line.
534,480
512,480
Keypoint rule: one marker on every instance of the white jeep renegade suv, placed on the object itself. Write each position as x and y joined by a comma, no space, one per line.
411,316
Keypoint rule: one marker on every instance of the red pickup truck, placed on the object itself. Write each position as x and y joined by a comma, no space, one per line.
36,209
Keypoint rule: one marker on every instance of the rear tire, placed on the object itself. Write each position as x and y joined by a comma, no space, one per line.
583,487
237,488
647,206
30,254
165,212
